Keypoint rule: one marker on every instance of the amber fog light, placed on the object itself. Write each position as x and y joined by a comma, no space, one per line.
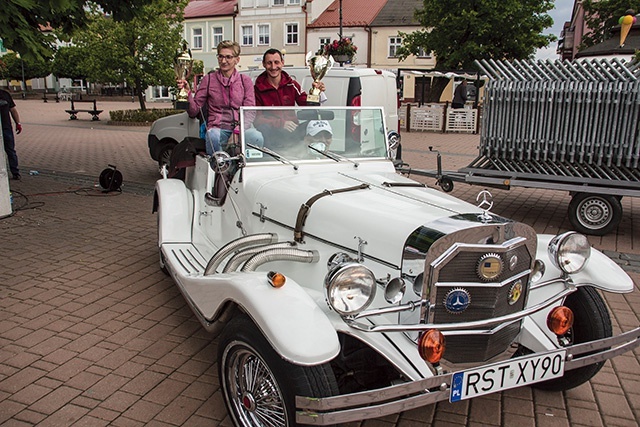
560,320
277,280
431,345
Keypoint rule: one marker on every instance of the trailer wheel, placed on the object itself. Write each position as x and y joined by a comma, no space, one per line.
446,184
258,386
594,214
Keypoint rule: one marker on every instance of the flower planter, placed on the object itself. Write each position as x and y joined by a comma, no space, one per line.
343,58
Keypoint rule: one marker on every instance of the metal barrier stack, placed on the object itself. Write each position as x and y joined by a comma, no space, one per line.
579,119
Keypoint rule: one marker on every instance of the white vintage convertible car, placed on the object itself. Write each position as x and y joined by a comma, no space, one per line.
342,290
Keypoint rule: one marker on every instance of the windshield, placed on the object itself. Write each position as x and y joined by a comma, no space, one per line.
310,133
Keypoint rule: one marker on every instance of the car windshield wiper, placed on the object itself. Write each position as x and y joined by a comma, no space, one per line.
274,155
333,156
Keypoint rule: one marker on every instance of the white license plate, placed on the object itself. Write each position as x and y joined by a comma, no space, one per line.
511,373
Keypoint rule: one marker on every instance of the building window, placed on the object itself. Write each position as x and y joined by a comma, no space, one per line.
394,44
291,36
294,2
423,54
278,2
197,38
264,34
247,35
324,41
244,4
217,35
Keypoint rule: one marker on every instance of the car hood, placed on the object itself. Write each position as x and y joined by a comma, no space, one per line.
379,207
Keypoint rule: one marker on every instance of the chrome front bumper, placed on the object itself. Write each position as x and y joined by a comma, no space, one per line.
404,397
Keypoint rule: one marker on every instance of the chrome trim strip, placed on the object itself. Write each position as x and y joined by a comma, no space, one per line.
462,325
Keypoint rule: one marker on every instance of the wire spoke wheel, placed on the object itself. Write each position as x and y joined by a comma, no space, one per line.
254,392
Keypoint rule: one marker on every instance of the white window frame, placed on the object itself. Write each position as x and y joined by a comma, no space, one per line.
394,43
324,41
294,2
287,33
214,36
422,54
277,3
259,38
197,37
243,36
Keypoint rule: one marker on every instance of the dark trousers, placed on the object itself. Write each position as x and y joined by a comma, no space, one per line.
10,149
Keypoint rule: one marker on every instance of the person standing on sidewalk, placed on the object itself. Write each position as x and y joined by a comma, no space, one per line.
8,110
460,95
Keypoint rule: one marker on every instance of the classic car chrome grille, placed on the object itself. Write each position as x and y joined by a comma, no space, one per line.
486,299
472,348
476,274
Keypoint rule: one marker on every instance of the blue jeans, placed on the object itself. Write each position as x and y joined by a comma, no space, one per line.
10,149
216,138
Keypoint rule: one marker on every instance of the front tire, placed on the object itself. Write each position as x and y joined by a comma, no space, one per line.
258,386
591,322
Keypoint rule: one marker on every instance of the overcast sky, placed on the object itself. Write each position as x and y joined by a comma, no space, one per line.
560,14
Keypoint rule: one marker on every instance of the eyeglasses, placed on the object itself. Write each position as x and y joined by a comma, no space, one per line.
227,57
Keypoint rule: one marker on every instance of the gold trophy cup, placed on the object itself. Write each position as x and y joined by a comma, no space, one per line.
182,66
318,66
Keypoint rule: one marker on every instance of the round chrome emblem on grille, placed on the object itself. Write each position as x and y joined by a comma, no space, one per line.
490,266
457,300
513,262
515,292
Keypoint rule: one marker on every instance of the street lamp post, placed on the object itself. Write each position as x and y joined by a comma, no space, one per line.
340,18
22,84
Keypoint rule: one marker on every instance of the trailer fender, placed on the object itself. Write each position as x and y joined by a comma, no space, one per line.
174,204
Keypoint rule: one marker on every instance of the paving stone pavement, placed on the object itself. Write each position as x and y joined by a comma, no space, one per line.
93,334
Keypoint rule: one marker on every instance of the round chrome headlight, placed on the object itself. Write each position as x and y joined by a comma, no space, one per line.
570,251
350,288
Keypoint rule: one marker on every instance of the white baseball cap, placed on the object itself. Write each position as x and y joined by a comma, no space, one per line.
316,126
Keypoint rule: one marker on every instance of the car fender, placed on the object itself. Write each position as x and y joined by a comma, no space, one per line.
600,272
293,323
174,204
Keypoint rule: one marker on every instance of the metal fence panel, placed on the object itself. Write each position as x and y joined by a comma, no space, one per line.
561,112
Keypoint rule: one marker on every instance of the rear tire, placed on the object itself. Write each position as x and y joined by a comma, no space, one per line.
595,214
591,322
267,397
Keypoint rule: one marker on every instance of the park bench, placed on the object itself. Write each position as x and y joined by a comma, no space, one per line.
74,111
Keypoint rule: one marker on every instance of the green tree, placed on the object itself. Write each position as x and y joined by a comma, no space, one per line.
29,68
601,16
458,32
69,62
139,52
22,21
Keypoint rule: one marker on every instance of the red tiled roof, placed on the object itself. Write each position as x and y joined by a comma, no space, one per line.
355,13
205,8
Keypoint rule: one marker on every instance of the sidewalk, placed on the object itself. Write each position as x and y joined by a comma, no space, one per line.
93,334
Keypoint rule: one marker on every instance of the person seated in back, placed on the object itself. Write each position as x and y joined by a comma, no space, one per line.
319,134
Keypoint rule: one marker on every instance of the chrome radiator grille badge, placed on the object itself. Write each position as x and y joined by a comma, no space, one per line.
457,300
489,267
515,292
